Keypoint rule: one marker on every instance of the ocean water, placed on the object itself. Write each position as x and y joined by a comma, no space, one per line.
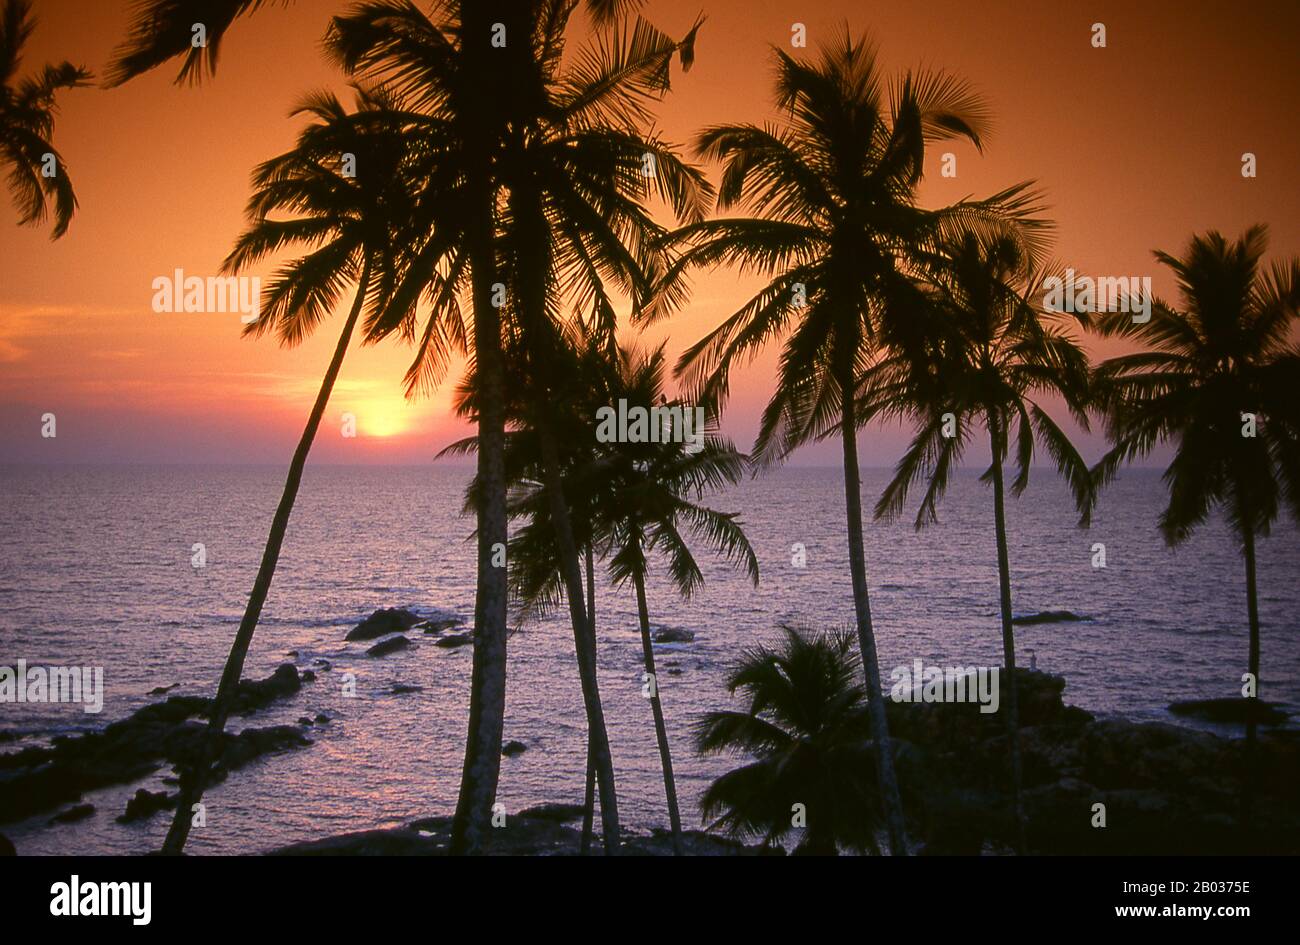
95,569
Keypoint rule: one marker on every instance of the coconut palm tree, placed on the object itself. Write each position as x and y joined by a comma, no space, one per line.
37,172
989,354
632,499
807,728
834,224
1219,378
354,222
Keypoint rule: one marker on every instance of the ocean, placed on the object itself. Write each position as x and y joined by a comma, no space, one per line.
96,569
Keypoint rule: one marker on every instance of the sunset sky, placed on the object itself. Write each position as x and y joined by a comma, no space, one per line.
1137,146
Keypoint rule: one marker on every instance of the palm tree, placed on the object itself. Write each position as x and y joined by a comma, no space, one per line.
832,190
989,354
630,499
807,728
356,230
1220,379
37,172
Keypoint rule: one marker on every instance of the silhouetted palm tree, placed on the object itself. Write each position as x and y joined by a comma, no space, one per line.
558,174
630,499
36,170
1220,378
833,193
354,225
988,354
807,728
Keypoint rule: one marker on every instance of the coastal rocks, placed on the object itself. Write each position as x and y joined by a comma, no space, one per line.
401,689
162,690
1048,616
439,626
73,814
145,804
7,846
383,622
512,748
453,640
672,635
37,779
391,645
1236,711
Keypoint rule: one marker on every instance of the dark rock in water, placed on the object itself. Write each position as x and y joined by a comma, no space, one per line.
8,736
1233,710
383,622
455,639
322,718
439,626
7,846
512,748
304,720
323,663
146,804
673,635
559,813
39,778
391,645
73,814
292,653
162,690
252,743
401,689
308,676
1048,616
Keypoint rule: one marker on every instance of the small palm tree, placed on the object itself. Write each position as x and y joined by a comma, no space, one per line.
37,173
987,356
1220,379
835,227
806,727
355,227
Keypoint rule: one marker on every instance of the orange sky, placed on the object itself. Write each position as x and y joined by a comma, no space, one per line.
1137,145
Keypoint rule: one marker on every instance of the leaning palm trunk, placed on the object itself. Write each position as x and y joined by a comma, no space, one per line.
194,780
487,703
583,639
1008,638
589,798
893,804
661,730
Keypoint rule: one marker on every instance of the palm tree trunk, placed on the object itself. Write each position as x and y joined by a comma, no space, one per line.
589,798
584,641
487,701
194,780
656,707
1008,636
893,803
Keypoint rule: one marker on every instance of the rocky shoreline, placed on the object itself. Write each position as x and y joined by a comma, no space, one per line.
1092,786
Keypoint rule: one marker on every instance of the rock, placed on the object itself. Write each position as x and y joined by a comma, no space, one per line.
323,663
383,622
559,813
1047,616
439,626
39,778
455,639
146,804
322,718
512,748
162,690
304,720
1234,710
73,814
308,676
672,635
391,645
401,689
7,846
